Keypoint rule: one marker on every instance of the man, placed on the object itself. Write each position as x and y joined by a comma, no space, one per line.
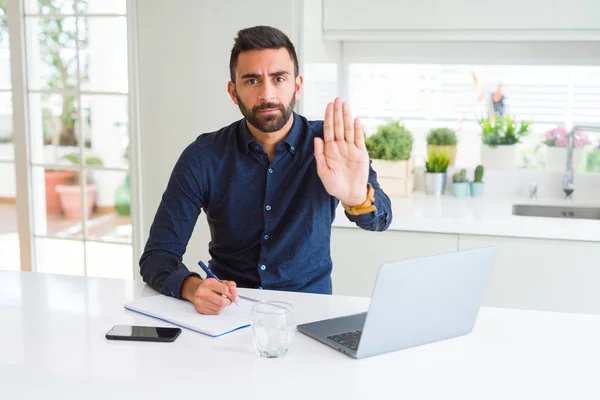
269,185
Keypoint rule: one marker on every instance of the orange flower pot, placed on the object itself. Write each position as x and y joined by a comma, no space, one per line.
54,178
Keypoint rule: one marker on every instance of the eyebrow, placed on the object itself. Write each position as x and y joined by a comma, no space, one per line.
256,76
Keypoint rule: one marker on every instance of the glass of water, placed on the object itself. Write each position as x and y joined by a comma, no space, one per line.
273,328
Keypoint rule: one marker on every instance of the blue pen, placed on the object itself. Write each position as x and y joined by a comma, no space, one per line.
210,274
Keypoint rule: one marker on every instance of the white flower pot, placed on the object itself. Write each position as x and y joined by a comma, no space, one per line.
499,157
435,183
556,158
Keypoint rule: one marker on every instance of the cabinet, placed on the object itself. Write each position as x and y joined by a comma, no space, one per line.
462,19
541,274
357,254
535,274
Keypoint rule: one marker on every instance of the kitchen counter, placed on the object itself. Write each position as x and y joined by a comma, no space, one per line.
487,215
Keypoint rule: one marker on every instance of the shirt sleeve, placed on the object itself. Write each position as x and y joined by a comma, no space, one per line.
161,263
381,218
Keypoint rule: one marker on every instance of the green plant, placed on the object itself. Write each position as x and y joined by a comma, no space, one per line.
592,160
503,130
460,176
437,162
392,142
56,35
479,173
441,137
3,24
75,159
8,139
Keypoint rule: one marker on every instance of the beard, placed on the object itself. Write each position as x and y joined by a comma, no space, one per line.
267,123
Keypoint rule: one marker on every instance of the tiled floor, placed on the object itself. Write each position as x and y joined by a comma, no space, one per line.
110,227
8,218
65,256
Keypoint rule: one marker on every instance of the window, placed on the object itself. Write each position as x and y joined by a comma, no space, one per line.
9,237
78,100
426,96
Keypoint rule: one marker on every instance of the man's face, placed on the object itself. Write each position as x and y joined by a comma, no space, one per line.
265,89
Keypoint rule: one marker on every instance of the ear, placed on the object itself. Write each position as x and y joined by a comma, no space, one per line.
231,91
299,81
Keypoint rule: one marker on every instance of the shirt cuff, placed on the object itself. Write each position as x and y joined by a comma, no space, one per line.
174,282
362,218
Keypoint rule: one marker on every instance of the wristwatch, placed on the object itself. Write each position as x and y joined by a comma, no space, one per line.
367,206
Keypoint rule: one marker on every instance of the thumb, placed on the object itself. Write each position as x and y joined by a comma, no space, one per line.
320,156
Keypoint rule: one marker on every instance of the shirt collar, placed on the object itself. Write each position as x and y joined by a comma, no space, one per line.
291,140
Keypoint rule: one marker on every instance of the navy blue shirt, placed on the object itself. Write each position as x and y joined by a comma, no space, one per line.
270,222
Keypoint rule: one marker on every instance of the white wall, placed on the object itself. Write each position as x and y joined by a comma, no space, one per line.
183,57
184,48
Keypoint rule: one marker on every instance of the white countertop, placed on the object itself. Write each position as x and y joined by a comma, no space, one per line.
487,215
52,346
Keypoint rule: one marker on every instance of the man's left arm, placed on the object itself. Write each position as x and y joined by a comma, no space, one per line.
375,214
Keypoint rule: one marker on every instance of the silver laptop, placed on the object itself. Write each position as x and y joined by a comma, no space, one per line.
414,302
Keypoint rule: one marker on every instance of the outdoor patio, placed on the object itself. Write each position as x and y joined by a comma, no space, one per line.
103,259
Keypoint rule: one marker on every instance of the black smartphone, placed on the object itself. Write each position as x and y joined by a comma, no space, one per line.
143,333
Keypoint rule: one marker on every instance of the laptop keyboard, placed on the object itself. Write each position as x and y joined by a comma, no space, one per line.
348,339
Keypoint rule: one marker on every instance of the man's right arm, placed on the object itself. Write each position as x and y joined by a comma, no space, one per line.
161,263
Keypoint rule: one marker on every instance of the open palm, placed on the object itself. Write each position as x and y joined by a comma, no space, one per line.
341,156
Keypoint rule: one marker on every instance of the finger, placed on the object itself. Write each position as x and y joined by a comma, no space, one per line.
205,307
348,125
218,287
208,308
328,135
233,290
320,156
214,294
338,119
359,136
217,299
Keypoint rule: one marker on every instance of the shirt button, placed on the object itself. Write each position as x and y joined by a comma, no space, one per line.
270,170
268,208
292,148
257,147
266,237
263,267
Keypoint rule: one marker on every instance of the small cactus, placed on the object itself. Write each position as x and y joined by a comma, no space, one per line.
479,173
460,176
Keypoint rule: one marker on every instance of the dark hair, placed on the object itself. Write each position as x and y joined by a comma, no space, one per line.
260,38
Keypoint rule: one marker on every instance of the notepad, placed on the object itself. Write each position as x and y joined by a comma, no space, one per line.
182,313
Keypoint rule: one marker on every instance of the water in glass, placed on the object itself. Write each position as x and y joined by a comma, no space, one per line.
273,328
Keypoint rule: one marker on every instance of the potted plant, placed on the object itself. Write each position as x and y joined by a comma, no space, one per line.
556,140
500,135
435,172
477,184
442,139
460,185
70,191
390,151
592,160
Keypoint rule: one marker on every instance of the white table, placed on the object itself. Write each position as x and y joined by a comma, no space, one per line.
52,346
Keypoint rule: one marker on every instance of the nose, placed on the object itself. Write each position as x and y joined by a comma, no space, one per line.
268,91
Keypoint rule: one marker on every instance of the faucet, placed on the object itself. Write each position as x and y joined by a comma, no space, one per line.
568,178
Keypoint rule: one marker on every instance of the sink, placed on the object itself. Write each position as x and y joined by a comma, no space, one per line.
556,211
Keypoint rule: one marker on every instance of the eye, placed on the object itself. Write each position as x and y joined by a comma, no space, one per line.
251,81
280,79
